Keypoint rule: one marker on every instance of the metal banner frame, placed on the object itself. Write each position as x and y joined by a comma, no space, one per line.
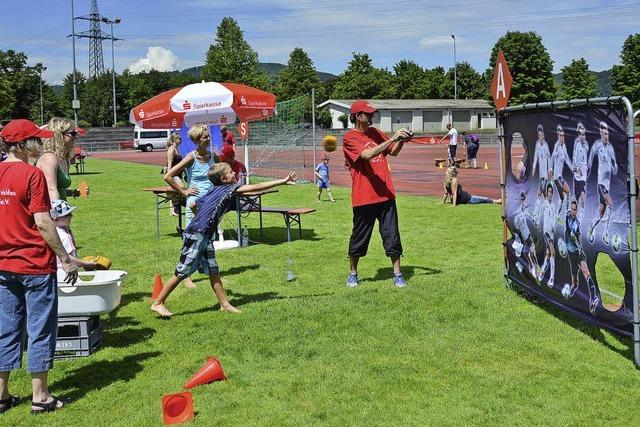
632,190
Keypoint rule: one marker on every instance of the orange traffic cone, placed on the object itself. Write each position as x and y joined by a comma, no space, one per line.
211,371
157,287
84,189
177,408
486,165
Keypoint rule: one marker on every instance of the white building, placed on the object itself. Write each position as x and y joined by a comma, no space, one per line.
420,115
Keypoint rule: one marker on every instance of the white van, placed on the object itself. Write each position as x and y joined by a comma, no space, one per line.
150,139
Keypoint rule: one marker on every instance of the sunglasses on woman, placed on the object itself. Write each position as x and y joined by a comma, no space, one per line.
72,133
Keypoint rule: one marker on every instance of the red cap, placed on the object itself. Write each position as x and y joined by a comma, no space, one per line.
227,153
22,129
362,106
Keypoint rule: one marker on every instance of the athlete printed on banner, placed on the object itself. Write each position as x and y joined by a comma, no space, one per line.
578,260
558,159
580,156
606,166
523,234
541,158
548,228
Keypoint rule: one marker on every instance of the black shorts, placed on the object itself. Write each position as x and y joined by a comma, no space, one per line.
602,192
575,258
578,188
452,151
364,218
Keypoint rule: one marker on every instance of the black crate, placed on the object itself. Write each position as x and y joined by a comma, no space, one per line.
78,336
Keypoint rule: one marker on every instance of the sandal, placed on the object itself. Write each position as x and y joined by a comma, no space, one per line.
51,406
9,403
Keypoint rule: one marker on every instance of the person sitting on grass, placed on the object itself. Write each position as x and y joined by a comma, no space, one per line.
197,251
61,214
453,190
322,172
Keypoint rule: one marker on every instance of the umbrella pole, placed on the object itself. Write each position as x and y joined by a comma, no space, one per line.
246,158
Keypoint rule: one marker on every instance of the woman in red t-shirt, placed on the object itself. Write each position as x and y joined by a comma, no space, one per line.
29,244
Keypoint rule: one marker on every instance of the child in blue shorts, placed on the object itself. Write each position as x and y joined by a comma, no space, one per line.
197,251
322,172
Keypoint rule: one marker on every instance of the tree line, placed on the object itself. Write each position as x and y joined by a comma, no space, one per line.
231,58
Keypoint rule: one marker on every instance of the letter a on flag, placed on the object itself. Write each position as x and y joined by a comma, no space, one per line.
501,82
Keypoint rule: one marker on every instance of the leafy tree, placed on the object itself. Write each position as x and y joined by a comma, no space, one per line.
7,98
51,105
323,118
530,65
344,118
66,97
411,80
24,81
298,77
626,77
96,101
362,80
231,58
471,85
440,86
577,81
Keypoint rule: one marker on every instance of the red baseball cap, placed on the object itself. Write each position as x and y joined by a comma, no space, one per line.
22,129
362,106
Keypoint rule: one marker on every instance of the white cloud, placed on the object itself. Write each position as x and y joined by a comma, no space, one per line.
158,58
437,41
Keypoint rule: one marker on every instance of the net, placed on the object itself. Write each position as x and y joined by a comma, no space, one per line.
282,142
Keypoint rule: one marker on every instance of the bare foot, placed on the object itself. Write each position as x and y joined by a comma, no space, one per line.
229,308
188,283
333,200
161,309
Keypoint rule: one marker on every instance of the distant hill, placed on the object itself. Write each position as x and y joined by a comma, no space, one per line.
604,81
271,68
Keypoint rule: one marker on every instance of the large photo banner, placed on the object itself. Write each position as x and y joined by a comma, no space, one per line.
567,204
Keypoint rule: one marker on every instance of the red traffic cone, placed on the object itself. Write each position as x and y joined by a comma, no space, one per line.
157,287
211,371
177,408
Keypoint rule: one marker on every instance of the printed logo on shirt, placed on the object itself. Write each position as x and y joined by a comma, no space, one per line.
377,158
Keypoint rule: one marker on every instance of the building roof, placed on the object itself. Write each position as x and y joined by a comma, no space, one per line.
410,104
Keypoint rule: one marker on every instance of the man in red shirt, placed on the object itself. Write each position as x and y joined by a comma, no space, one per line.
228,140
372,193
29,244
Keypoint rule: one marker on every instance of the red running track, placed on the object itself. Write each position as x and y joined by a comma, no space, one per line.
413,170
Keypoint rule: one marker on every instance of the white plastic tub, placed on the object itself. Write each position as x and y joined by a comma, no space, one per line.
94,293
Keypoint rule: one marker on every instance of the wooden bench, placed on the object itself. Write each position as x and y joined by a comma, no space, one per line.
290,216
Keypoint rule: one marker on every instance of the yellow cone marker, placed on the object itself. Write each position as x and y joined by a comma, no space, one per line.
486,165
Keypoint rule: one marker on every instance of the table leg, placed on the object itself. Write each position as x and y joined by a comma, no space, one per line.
157,217
260,210
238,205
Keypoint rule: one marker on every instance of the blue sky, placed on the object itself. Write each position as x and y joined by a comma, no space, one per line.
170,35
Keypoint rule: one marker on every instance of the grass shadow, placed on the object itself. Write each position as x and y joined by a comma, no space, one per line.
126,337
85,173
95,376
239,299
229,272
408,271
589,329
592,331
278,235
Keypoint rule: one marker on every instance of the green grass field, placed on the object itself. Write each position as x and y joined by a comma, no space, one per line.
453,348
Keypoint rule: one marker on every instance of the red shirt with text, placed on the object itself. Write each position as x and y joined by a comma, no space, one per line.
23,192
371,178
